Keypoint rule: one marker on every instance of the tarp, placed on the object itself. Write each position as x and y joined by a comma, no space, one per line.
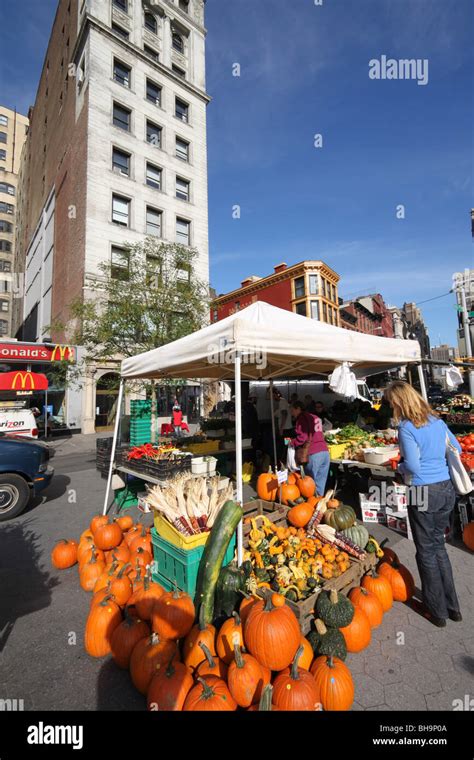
274,343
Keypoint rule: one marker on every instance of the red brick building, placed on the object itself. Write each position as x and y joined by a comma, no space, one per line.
309,288
367,314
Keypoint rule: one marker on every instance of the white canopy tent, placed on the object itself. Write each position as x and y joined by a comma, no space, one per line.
264,342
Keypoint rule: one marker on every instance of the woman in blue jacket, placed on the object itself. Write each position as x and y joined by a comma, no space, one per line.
423,436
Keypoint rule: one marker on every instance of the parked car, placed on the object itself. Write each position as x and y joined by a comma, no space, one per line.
24,472
18,421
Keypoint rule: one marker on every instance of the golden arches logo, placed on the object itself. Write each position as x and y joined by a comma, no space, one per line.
62,353
21,379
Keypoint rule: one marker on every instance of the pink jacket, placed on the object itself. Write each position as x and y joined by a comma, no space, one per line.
309,425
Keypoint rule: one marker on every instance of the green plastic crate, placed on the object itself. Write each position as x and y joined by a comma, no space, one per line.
180,565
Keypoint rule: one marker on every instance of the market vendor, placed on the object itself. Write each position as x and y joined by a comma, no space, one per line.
177,418
308,428
423,438
321,412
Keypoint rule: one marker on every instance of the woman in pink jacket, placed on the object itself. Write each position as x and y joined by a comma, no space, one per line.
310,427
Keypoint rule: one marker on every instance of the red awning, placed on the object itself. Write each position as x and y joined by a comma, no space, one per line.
23,381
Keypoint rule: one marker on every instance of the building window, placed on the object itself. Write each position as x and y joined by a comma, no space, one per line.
182,188
122,73
300,308
120,31
315,310
178,71
153,134
150,52
150,22
184,5
314,284
4,305
325,312
182,149
5,226
3,120
299,287
6,208
5,246
333,292
122,5
153,93
121,210
153,221
3,155
182,110
178,43
5,187
3,137
120,265
183,231
121,117
5,286
121,162
153,176
3,327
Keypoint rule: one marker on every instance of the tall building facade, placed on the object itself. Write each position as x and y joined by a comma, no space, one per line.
464,280
368,314
116,151
13,130
309,288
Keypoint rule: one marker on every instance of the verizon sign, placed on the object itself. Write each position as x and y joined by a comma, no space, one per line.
35,352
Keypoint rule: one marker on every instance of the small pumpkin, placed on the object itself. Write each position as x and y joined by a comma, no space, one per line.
226,637
199,634
121,587
467,536
369,603
173,615
267,486
289,493
334,609
211,665
333,504
357,634
307,657
121,553
210,694
245,606
146,596
140,558
334,683
296,690
306,484
388,554
88,552
272,634
169,687
64,554
125,637
340,518
125,522
300,515
85,546
400,579
143,540
148,655
379,586
108,536
327,641
244,677
102,620
90,573
358,534
96,522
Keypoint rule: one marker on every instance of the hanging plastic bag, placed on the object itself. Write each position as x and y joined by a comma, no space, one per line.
291,459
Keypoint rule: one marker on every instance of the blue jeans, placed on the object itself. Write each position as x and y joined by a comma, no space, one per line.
318,468
428,527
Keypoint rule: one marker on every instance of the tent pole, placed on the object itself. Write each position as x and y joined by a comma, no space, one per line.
421,378
238,451
114,445
272,407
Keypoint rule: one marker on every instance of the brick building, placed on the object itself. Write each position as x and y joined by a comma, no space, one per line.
309,288
13,129
367,314
116,151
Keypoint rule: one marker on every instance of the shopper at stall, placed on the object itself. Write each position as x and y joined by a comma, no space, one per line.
321,412
423,437
177,419
308,429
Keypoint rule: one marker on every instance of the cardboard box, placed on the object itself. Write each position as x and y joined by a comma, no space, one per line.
389,494
372,511
399,522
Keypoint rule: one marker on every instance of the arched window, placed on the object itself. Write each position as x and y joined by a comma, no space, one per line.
150,22
178,43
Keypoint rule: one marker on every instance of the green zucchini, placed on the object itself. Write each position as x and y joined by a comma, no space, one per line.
211,561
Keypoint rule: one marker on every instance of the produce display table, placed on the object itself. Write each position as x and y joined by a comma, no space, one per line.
377,469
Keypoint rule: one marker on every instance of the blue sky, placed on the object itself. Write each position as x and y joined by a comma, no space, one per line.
304,70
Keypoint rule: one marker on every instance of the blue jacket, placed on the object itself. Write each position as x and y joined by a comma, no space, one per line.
424,451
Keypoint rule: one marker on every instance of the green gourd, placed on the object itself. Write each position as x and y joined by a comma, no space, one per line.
327,641
358,534
340,518
334,609
230,583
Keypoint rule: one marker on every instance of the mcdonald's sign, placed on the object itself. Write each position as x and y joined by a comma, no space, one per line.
23,381
62,354
29,353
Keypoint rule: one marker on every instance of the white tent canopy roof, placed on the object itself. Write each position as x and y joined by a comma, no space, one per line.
274,343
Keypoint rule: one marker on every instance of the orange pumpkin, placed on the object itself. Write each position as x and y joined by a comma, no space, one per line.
267,486
401,580
147,656
296,690
245,607
200,634
468,536
289,493
64,554
108,536
103,619
169,687
226,637
244,677
210,694
357,634
300,515
96,522
211,665
272,634
125,637
90,572
145,597
381,587
334,683
307,655
369,603
173,615
306,485
125,522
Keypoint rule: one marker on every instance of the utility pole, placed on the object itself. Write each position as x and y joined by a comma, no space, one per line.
460,290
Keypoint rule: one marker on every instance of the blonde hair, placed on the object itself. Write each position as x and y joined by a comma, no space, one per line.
407,404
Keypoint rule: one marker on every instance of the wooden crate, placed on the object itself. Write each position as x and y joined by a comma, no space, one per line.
276,513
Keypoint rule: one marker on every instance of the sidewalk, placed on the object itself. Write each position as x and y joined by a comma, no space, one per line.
76,444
